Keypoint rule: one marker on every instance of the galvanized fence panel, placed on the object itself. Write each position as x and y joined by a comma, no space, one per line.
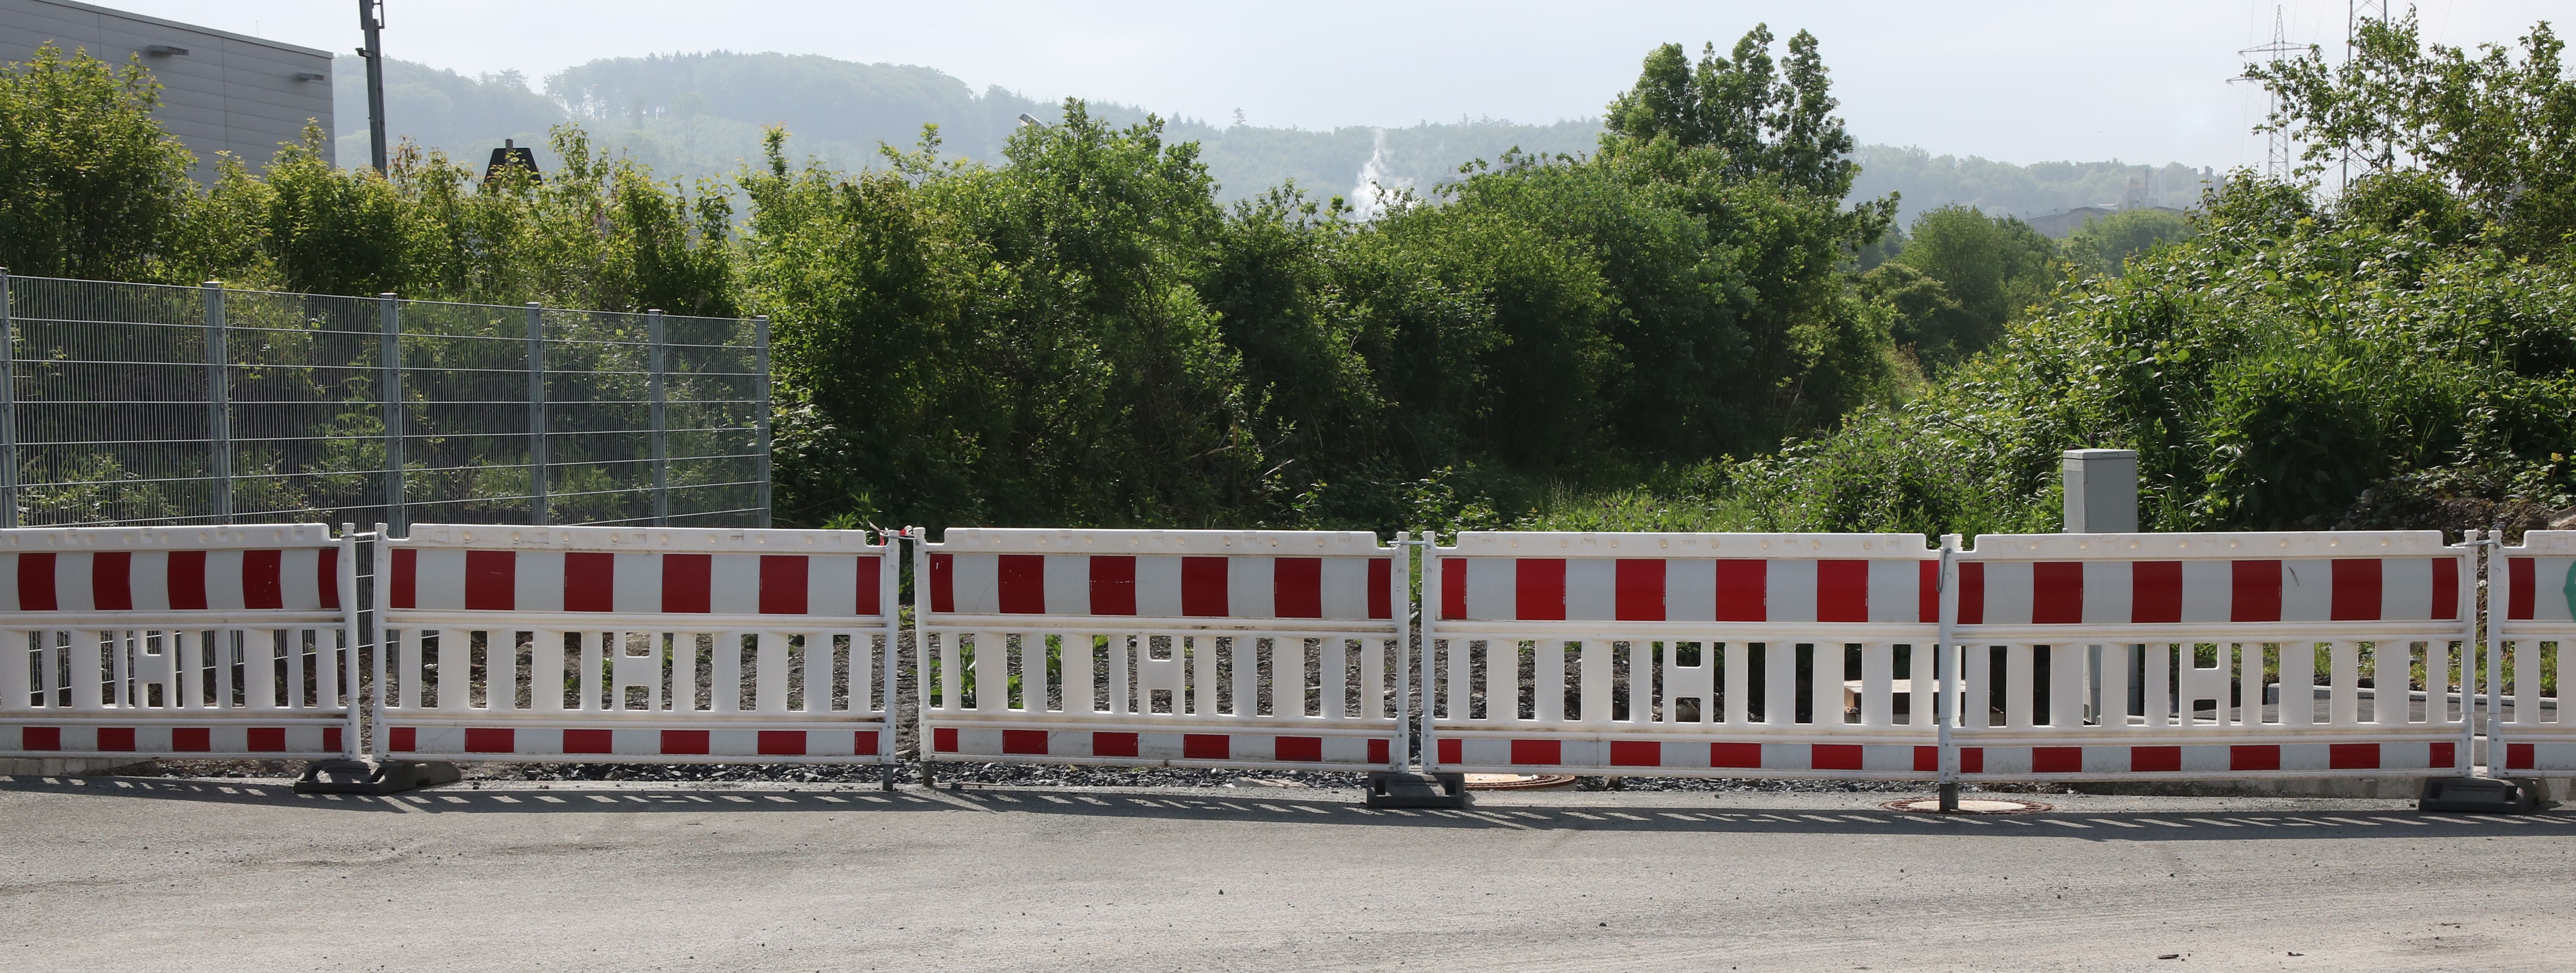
653,645
2531,633
1248,649
206,641
2195,656
1698,655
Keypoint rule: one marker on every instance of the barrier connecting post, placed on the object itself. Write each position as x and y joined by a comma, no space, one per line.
1425,638
1945,671
660,359
537,460
1400,580
390,384
2490,543
219,432
8,410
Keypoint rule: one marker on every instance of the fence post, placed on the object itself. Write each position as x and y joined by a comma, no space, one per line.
661,436
537,460
760,421
219,425
390,386
1945,673
8,410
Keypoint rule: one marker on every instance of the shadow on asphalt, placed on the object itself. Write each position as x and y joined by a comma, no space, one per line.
574,799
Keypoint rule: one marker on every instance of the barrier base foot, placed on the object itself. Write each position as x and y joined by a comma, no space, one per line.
2480,794
343,776
1387,789
1950,798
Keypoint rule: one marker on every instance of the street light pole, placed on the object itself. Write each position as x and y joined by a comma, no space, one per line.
371,17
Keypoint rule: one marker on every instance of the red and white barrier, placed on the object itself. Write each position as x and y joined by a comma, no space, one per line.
177,642
2234,641
635,645
2531,604
1638,654
1272,649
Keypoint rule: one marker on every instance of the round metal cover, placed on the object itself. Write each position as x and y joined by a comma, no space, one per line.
1967,805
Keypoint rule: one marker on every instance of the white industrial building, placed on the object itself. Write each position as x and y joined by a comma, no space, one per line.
220,91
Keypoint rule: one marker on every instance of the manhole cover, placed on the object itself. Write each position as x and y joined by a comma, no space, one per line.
1517,782
1981,805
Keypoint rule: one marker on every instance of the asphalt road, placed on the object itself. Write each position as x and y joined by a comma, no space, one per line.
127,874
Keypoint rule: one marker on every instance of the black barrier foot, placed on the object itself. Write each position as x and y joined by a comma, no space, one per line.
2480,795
342,776
888,782
1387,789
1950,798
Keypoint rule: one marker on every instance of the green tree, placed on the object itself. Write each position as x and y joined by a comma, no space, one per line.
1991,267
90,186
2105,245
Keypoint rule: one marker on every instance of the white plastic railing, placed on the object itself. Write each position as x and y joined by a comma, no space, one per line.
2213,655
177,642
1273,649
2531,609
635,645
1717,655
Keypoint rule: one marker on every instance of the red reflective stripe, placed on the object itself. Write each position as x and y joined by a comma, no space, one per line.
1103,744
1636,753
781,743
1453,590
2446,590
1299,749
588,741
685,579
491,580
111,584
405,739
406,578
1381,604
36,582
1538,590
943,582
1527,753
270,739
1972,593
2442,755
1641,590
1972,760
2155,592
1203,587
944,739
2248,756
1019,583
1735,754
2517,756
1927,594
2356,590
2257,589
485,739
2352,756
2056,593
1927,759
1452,751
1206,746
116,739
1842,591
260,583
1377,751
199,739
2148,760
2522,573
589,584
187,580
40,737
863,743
1113,585
782,591
869,601
326,583
1741,595
1026,743
2057,760
684,741
1297,589
1834,756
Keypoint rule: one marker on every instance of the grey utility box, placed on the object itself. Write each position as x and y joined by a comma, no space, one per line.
2101,491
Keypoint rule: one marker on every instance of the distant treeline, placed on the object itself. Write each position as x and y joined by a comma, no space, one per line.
694,115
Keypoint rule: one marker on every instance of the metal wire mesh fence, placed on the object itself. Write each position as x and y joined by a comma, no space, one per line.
149,404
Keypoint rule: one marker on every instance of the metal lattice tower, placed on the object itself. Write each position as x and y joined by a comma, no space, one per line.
2276,161
2356,14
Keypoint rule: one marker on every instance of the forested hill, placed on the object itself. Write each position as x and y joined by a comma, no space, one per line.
696,115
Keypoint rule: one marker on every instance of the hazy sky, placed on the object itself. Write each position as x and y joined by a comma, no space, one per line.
2021,82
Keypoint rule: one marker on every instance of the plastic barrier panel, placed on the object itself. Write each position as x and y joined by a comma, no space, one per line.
1711,655
176,642
2189,656
1269,649
2531,607
635,645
